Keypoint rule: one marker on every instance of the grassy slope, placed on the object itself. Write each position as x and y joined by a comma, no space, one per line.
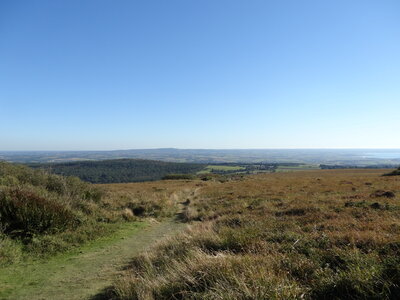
73,260
298,235
281,236
42,214
83,272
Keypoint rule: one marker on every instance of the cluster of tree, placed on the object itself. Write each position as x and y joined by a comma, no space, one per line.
120,170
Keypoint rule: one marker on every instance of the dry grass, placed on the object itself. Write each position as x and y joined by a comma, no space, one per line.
149,199
305,235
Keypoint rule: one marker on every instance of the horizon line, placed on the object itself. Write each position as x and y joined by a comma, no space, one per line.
218,149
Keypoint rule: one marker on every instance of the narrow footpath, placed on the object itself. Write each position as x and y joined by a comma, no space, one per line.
85,272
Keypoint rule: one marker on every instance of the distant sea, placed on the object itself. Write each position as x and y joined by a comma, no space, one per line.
383,155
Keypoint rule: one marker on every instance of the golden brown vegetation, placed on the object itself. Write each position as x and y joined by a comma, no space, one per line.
149,199
329,234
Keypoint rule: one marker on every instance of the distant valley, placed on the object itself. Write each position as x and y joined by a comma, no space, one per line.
348,157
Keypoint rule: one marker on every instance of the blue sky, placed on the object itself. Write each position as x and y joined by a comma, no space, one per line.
96,74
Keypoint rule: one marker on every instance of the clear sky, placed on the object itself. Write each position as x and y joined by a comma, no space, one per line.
96,74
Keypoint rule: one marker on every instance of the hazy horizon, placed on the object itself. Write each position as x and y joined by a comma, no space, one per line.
344,157
175,148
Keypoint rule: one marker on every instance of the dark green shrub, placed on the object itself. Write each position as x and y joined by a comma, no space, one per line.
393,173
24,212
10,250
391,276
9,180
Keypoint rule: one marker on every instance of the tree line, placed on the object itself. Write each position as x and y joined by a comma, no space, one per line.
119,170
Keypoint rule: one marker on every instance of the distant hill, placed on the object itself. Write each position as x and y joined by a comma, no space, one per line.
354,157
119,170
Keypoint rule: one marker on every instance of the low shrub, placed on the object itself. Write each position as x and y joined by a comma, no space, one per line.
393,173
24,212
42,213
10,250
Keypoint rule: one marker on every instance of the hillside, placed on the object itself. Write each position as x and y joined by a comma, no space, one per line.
43,213
63,232
316,234
119,170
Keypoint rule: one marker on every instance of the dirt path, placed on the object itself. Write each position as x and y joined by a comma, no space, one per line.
84,273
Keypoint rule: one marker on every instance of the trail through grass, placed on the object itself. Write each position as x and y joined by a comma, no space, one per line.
84,272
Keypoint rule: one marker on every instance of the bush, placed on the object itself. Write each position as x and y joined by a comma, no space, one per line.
10,251
42,213
24,212
393,173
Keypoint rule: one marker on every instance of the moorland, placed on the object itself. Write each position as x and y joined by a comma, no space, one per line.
309,234
325,234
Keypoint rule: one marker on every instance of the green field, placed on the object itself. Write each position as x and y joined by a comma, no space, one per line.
297,168
211,168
